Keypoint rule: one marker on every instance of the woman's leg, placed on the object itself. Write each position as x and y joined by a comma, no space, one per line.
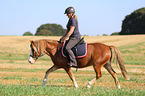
71,43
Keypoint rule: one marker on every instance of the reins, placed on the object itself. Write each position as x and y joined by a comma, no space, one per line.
45,52
58,54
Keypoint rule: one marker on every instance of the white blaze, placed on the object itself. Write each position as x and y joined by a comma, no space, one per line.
31,60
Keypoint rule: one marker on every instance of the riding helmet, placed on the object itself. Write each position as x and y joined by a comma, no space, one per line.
69,10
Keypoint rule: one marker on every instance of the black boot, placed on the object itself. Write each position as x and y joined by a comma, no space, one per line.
72,64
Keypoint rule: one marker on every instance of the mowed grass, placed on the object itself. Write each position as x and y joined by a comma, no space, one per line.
18,77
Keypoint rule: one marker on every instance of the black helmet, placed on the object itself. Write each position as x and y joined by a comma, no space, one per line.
69,10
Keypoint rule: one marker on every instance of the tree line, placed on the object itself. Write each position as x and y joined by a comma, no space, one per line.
132,24
48,30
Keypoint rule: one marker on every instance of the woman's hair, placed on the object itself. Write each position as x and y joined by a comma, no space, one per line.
75,16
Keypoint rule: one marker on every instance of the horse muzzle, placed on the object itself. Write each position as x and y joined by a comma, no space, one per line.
31,60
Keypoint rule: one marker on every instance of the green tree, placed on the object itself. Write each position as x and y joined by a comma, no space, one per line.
28,34
115,33
104,35
134,23
50,30
45,33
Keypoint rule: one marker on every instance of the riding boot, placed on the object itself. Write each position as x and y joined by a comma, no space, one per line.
72,64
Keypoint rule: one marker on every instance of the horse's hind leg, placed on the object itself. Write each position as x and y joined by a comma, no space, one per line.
53,68
98,75
108,67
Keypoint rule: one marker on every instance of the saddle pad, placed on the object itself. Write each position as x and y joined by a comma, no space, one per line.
81,50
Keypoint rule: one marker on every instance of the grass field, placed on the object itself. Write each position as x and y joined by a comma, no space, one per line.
18,77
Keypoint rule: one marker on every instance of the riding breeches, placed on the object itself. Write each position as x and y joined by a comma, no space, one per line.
71,43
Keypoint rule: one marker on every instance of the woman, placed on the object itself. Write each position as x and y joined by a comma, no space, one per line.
73,34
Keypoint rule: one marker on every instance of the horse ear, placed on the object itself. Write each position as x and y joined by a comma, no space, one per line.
31,41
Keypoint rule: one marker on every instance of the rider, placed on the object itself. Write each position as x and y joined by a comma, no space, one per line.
72,33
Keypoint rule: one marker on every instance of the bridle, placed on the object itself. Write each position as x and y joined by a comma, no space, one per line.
37,53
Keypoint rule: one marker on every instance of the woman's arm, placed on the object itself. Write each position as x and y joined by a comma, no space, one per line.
66,35
63,35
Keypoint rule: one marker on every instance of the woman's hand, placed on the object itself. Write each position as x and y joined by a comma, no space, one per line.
60,39
63,39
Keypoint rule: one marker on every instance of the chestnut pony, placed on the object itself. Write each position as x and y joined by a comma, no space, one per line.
98,55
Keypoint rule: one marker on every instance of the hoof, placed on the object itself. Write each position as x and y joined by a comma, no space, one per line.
76,86
88,86
44,82
118,87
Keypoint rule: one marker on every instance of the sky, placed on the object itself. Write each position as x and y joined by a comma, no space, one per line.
95,17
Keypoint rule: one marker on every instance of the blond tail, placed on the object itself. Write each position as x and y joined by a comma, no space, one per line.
119,59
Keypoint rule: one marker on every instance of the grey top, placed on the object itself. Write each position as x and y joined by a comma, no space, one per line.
73,22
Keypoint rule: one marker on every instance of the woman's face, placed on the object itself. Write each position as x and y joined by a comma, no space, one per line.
69,15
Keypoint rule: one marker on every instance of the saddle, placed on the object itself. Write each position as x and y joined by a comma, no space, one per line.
79,50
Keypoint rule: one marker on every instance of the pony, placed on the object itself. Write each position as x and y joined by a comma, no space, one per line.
98,55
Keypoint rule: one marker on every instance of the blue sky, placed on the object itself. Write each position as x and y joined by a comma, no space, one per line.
96,17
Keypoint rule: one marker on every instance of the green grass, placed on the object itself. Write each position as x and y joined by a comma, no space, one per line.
18,78
18,56
63,86
21,70
134,54
25,90
13,56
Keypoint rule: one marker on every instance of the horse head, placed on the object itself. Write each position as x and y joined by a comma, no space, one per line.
40,48
34,52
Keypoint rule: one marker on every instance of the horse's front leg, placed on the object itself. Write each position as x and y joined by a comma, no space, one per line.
53,68
69,72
